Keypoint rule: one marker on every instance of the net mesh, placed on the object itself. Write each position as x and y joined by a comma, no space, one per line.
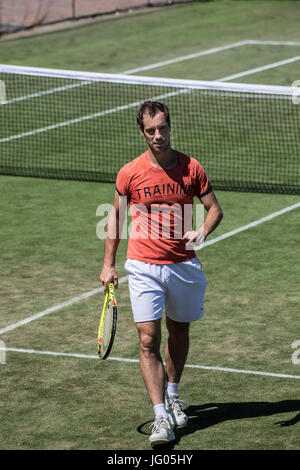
68,125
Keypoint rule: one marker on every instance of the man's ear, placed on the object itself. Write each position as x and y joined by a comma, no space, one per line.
141,131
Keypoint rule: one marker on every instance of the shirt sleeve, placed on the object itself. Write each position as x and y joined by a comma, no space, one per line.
202,184
122,182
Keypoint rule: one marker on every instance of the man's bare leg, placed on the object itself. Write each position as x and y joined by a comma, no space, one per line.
151,364
176,352
176,349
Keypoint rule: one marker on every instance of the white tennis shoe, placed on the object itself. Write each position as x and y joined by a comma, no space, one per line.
175,411
162,432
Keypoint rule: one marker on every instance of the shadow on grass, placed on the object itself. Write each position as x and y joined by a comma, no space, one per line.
210,414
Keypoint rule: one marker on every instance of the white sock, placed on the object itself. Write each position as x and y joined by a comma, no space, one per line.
160,410
172,388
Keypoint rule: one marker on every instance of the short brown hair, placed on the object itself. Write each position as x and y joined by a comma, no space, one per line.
152,107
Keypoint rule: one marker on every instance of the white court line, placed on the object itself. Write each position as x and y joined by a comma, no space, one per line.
185,57
252,224
210,51
136,361
67,303
86,118
259,69
273,43
47,92
123,279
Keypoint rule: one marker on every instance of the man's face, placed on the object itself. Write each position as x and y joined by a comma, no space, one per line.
156,132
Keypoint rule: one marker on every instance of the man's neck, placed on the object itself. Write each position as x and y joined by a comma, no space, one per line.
164,160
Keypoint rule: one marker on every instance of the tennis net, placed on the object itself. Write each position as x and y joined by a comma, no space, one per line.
77,125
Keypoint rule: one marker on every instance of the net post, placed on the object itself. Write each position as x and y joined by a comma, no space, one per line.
2,352
73,10
2,92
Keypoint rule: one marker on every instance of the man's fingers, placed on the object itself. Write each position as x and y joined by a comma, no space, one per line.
105,286
187,236
114,279
190,237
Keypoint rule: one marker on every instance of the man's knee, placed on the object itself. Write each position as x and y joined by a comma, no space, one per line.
150,338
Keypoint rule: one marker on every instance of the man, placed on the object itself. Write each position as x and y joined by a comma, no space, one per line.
164,272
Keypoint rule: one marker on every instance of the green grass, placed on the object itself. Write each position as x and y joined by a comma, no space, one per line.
51,253
251,313
120,44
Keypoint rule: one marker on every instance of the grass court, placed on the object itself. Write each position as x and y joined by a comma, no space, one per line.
240,382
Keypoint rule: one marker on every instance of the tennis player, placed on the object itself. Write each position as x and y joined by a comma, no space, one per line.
164,272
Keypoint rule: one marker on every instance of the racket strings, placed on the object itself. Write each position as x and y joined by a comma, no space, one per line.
107,327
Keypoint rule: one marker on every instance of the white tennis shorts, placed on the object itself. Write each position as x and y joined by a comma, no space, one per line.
178,287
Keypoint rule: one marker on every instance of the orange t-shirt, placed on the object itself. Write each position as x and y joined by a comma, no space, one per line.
160,204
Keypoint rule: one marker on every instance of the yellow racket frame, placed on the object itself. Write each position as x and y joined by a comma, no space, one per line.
109,297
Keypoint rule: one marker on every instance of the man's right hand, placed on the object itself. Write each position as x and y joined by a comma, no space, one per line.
107,275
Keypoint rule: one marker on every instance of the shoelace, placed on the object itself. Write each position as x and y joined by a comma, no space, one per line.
160,421
177,404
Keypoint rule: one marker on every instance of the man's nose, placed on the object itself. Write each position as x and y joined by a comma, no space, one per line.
157,134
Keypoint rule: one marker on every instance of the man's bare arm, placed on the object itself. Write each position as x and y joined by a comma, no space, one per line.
213,218
114,229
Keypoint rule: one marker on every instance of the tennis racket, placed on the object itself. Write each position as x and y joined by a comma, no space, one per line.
108,323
